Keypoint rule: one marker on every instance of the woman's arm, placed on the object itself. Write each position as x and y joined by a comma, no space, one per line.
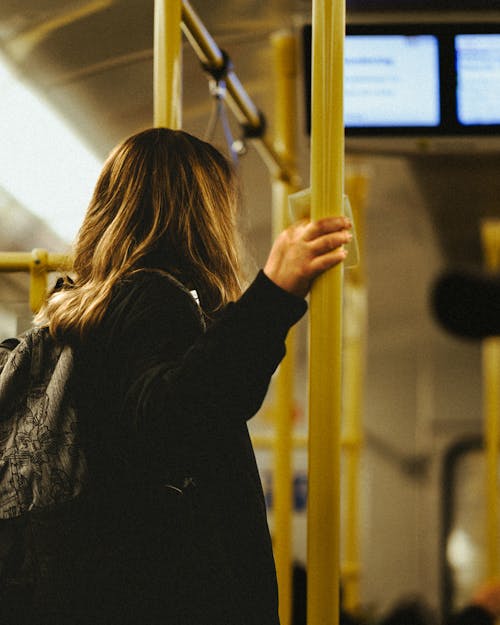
225,372
189,376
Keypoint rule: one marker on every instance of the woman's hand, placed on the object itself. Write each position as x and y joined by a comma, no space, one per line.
305,250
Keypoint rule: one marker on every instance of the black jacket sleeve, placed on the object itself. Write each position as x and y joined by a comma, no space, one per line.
180,374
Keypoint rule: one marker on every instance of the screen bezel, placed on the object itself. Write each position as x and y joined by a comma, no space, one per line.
445,33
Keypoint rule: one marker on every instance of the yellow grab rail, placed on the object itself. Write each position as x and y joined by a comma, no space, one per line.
284,48
490,231
167,64
356,181
239,101
13,262
211,56
327,180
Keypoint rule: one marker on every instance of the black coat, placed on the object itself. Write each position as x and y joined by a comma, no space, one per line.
173,528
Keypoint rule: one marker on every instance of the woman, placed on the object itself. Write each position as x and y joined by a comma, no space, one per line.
172,528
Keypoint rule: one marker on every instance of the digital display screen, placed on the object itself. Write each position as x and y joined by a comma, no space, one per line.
392,81
478,78
432,79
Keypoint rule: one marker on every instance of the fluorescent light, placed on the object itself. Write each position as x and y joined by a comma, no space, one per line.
44,165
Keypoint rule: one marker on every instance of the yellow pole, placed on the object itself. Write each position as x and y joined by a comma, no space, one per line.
284,48
490,230
283,493
167,64
327,180
38,263
491,376
353,373
285,59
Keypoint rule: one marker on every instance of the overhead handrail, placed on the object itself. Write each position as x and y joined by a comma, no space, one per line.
213,59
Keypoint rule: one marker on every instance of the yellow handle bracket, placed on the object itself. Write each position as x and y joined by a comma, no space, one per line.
38,278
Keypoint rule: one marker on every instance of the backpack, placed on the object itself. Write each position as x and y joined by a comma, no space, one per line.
41,462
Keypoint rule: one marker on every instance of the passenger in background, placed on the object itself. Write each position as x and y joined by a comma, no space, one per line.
171,360
484,608
299,594
411,611
299,600
467,303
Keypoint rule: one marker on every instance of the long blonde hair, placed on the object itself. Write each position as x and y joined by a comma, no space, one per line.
165,200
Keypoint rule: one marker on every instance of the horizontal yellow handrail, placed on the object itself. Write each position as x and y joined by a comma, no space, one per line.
24,261
38,263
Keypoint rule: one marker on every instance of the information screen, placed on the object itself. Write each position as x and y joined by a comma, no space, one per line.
431,79
392,81
478,78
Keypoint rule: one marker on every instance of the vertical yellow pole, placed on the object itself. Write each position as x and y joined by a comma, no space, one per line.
167,64
327,179
490,231
284,48
353,373
491,376
283,499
